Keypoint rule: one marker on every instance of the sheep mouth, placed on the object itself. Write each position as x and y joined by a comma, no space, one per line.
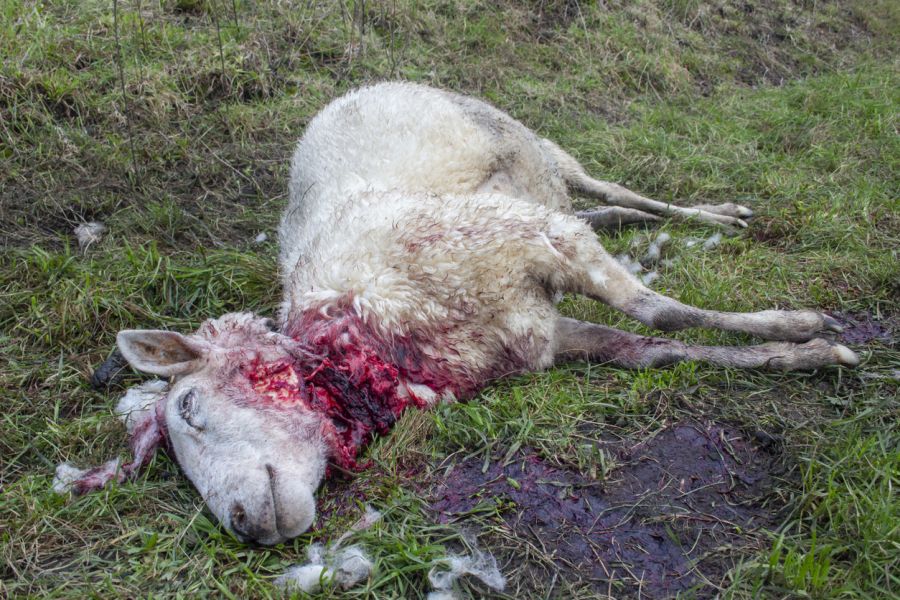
272,473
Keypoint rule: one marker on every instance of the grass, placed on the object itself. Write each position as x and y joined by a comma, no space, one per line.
790,108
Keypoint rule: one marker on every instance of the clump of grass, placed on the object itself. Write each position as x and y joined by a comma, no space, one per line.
842,538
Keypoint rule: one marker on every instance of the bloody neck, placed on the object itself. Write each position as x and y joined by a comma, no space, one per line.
350,375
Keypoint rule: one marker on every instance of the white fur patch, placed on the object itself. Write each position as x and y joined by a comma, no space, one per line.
343,567
654,251
648,278
712,241
480,564
305,578
68,474
138,400
632,266
598,277
89,233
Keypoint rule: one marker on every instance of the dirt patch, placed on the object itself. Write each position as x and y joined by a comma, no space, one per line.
862,328
553,16
340,499
344,494
672,516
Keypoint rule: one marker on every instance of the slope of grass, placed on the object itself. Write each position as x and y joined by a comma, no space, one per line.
790,108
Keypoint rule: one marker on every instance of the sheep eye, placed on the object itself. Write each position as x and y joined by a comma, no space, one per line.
187,408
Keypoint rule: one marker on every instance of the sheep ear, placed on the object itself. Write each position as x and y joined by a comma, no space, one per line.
163,353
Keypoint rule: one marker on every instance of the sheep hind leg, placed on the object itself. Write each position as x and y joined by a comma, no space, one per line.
578,340
591,271
623,292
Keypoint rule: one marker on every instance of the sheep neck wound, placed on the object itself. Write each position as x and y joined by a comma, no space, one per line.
348,374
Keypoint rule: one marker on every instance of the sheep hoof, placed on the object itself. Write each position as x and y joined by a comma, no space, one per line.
110,372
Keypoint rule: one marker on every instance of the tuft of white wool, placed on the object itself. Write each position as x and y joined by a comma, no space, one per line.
88,233
712,241
350,565
632,266
138,400
262,237
304,578
654,251
315,554
369,518
441,595
650,277
446,571
344,567
67,474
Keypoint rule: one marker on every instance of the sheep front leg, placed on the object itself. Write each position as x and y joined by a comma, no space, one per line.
613,193
577,178
577,340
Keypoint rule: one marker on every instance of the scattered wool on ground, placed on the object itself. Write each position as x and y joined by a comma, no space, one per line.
88,233
650,277
304,578
654,251
893,374
262,237
634,267
712,241
708,244
344,567
368,519
447,570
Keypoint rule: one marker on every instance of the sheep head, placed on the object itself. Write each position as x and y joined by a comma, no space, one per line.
253,415
256,458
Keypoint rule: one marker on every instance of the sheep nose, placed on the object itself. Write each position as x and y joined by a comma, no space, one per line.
242,524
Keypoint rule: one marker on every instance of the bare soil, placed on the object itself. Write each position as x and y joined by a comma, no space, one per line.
676,512
862,328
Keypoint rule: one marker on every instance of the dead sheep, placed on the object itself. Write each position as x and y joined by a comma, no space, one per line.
425,239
